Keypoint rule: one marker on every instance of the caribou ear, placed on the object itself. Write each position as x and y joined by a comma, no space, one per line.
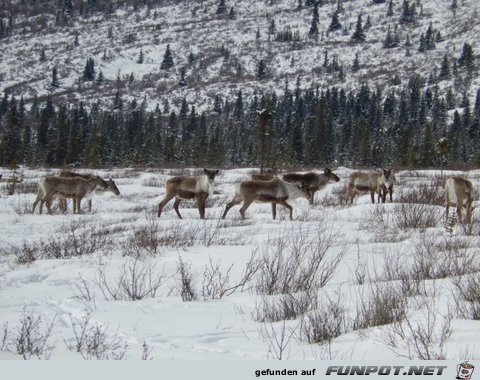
205,171
327,170
216,171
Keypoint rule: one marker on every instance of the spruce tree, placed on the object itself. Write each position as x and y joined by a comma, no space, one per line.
467,57
313,32
359,34
445,68
222,8
335,23
167,61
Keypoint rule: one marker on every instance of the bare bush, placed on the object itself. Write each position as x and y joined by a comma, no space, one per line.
77,241
153,182
31,338
441,258
385,304
144,239
296,262
431,193
337,197
277,338
325,322
93,341
423,338
5,337
138,279
407,216
187,284
467,297
216,283
281,307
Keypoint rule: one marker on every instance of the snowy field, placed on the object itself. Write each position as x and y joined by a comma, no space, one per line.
340,281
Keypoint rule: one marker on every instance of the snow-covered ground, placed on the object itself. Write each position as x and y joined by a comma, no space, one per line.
70,278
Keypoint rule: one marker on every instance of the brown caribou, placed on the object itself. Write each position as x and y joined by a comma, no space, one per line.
76,188
273,191
373,182
459,194
191,187
312,181
112,187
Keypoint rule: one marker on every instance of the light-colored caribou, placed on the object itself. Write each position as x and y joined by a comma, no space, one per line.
372,182
191,187
273,191
311,181
112,187
459,193
76,188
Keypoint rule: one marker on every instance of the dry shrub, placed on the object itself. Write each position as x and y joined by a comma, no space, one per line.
297,260
437,259
426,193
281,307
78,240
421,338
407,216
138,279
31,338
467,297
385,304
337,198
325,322
153,182
94,341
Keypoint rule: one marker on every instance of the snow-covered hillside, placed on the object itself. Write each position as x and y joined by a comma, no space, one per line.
221,54
340,281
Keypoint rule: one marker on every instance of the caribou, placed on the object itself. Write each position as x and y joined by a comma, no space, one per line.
76,188
112,187
273,191
459,193
373,182
189,187
311,181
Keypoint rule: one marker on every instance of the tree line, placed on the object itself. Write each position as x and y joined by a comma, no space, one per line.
419,126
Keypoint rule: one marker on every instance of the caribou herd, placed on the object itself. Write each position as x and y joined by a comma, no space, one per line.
260,188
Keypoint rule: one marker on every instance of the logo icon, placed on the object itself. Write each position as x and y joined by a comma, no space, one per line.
464,370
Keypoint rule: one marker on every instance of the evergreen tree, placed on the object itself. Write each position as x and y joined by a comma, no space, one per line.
445,68
335,23
261,70
182,82
89,70
167,61
356,64
313,32
408,13
140,57
54,83
222,8
359,34
467,57
390,8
